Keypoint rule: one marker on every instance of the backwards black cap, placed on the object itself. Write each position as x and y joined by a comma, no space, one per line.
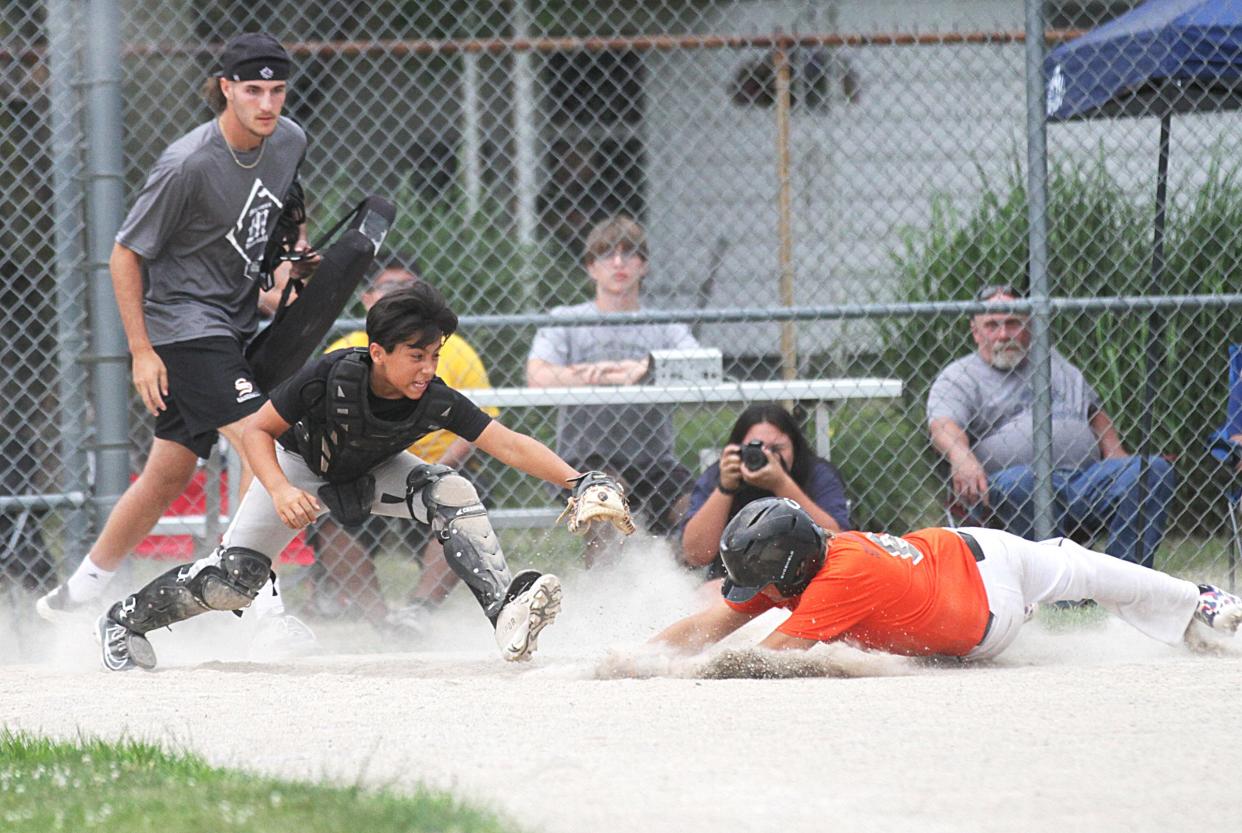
254,56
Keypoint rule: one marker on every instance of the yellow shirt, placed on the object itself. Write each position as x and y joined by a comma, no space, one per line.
460,368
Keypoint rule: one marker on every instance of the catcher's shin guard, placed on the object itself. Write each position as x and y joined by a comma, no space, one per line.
460,523
228,579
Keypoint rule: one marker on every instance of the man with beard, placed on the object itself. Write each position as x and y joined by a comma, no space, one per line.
979,416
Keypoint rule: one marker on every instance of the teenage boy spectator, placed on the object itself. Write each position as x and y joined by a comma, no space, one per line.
633,442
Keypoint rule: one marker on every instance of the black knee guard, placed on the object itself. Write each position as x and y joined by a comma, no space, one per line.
233,581
460,523
225,580
416,484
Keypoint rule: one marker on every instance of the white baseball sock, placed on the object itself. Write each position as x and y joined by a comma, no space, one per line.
88,581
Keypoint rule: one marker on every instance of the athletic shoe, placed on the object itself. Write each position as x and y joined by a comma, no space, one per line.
121,648
409,622
281,636
1219,610
58,608
521,620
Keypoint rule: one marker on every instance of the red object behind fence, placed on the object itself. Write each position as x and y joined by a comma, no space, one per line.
193,501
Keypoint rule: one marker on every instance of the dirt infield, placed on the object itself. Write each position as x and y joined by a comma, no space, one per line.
1095,729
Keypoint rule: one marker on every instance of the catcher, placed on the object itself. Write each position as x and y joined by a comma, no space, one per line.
333,437
946,592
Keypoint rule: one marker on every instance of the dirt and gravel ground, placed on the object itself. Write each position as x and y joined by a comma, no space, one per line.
1095,728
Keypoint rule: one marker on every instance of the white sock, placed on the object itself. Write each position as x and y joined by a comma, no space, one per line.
88,581
268,602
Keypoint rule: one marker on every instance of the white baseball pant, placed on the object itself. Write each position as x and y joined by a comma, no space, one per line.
257,526
1017,573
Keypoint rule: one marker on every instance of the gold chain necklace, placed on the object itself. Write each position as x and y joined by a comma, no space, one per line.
233,153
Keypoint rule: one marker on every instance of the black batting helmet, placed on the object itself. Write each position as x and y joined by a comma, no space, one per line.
771,541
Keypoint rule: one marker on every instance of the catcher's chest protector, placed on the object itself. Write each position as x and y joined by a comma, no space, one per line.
341,439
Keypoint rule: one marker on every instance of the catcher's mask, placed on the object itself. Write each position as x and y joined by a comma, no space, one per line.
771,541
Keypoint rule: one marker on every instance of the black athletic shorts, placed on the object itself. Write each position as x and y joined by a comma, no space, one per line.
210,384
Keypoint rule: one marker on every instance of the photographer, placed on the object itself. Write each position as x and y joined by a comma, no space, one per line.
766,456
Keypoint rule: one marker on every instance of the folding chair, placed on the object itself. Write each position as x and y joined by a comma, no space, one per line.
958,513
1229,453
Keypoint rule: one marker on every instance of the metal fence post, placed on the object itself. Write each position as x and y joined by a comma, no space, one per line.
526,158
63,41
104,177
1037,208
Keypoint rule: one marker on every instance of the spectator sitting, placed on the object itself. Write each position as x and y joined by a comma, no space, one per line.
632,442
790,470
346,555
1226,443
979,416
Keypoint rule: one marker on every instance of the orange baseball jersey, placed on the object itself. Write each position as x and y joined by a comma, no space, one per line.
917,595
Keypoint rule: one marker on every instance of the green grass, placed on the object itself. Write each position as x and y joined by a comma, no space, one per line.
1099,244
48,786
1065,620
1197,557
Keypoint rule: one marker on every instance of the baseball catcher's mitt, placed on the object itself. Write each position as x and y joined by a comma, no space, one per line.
597,498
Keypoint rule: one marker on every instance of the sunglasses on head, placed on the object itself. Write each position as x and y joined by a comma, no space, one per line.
990,292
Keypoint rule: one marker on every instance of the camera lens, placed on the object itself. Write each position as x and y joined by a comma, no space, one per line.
753,457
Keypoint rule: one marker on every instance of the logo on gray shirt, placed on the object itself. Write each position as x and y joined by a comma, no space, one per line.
253,221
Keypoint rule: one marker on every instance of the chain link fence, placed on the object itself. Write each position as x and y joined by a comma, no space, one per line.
824,187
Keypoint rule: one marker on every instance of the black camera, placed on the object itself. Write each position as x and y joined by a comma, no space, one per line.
753,457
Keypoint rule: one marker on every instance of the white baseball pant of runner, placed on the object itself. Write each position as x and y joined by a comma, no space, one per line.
1017,573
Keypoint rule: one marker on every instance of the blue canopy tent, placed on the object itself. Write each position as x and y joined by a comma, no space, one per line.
1158,59
1163,57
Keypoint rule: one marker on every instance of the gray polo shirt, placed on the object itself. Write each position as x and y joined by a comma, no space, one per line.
994,408
200,225
637,433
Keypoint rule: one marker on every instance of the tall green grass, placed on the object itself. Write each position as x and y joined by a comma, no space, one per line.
1099,244
92,785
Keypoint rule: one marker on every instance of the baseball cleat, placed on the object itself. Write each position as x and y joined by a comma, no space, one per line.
521,620
58,608
121,648
410,622
280,636
1219,610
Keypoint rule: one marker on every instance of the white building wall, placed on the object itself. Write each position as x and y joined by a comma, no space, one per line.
931,122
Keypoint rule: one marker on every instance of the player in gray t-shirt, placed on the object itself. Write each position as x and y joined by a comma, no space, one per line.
633,442
186,272
979,416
